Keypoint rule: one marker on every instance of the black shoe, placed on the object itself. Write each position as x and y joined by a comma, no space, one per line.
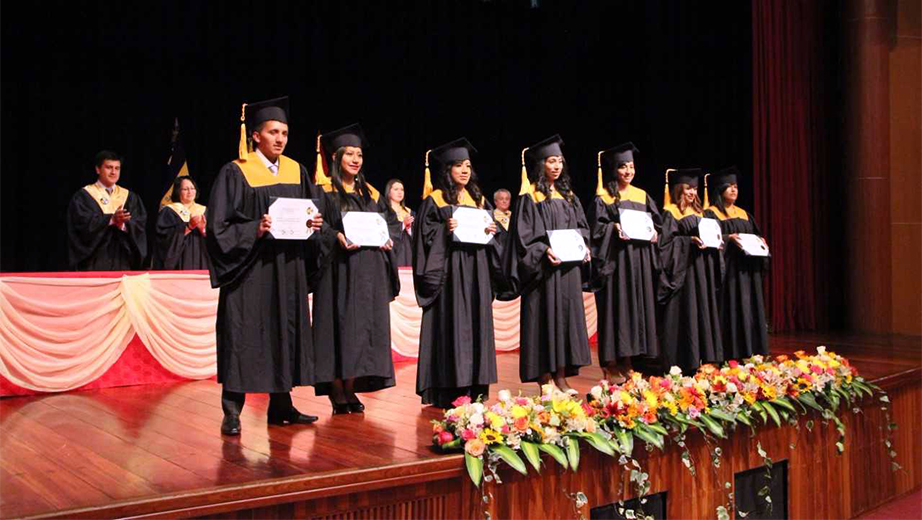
339,408
356,406
293,416
230,425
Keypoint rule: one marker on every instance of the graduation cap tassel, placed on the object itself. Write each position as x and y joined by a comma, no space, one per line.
666,198
707,202
320,174
427,180
242,150
526,184
599,187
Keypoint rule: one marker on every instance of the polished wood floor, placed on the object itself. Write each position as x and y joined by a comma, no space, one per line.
81,450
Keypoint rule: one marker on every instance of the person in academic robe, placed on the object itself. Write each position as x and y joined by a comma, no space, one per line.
689,316
742,307
626,270
454,284
400,221
106,223
181,230
263,328
351,306
554,342
502,200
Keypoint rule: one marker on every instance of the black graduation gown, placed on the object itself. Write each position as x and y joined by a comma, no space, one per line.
175,249
689,319
263,328
626,273
94,245
403,242
351,306
454,286
552,325
742,307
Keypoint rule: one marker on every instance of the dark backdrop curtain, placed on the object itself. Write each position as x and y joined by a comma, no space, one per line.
674,77
795,122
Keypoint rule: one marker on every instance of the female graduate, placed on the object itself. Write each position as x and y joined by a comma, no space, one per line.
689,322
181,230
454,284
553,337
742,309
627,270
402,222
351,309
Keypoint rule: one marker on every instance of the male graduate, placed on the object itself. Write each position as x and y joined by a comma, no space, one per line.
105,222
263,327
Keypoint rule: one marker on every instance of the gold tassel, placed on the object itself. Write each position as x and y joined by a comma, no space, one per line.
707,203
525,188
242,149
667,200
427,180
599,186
320,175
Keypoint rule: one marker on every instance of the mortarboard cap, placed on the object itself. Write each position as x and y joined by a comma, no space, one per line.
724,178
535,153
351,135
685,176
254,114
612,157
449,153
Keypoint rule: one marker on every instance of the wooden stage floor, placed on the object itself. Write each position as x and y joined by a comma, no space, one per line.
137,450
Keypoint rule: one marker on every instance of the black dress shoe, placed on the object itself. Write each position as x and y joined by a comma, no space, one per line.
356,406
292,416
339,408
230,425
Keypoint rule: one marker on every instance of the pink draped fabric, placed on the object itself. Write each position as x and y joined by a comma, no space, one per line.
62,331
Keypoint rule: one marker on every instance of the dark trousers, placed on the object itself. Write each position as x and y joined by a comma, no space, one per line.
232,403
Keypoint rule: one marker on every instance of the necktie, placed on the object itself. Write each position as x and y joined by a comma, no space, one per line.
274,169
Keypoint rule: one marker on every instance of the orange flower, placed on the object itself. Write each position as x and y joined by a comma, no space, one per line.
521,424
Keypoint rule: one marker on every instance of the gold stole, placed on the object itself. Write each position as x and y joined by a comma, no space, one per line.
108,203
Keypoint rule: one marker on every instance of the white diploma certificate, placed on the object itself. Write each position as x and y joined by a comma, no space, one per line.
709,232
568,245
472,225
365,228
637,225
290,218
752,245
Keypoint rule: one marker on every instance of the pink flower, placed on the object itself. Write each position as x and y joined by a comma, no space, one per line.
445,438
452,418
461,401
521,401
693,412
505,429
666,383
733,363
816,369
468,434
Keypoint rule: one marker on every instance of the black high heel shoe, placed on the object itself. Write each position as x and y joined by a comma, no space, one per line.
355,406
339,408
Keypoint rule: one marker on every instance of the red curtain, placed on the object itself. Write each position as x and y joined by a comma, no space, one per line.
792,84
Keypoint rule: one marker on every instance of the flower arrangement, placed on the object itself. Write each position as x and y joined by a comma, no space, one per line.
649,409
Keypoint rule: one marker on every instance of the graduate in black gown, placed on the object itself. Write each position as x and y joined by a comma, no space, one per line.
106,222
627,270
742,307
554,342
263,328
181,230
454,285
400,221
351,306
689,319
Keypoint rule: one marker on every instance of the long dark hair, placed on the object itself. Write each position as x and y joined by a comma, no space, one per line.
387,193
177,187
452,190
562,184
610,181
345,203
678,199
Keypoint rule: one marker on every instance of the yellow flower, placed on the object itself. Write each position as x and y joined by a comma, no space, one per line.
489,436
518,411
650,398
496,421
749,397
769,392
673,409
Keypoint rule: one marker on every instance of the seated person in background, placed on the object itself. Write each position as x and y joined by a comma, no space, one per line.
502,199
181,230
106,222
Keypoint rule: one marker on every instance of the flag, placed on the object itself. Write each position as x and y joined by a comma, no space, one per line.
176,164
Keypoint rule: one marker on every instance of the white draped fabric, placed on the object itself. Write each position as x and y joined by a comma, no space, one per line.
60,333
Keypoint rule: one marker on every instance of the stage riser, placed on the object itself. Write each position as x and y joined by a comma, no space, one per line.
821,483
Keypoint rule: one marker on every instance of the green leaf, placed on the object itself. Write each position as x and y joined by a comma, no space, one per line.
757,406
743,418
598,442
615,445
722,415
510,457
784,403
772,412
658,428
810,401
451,445
530,450
626,439
474,467
555,452
713,426
649,436
573,453
840,447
